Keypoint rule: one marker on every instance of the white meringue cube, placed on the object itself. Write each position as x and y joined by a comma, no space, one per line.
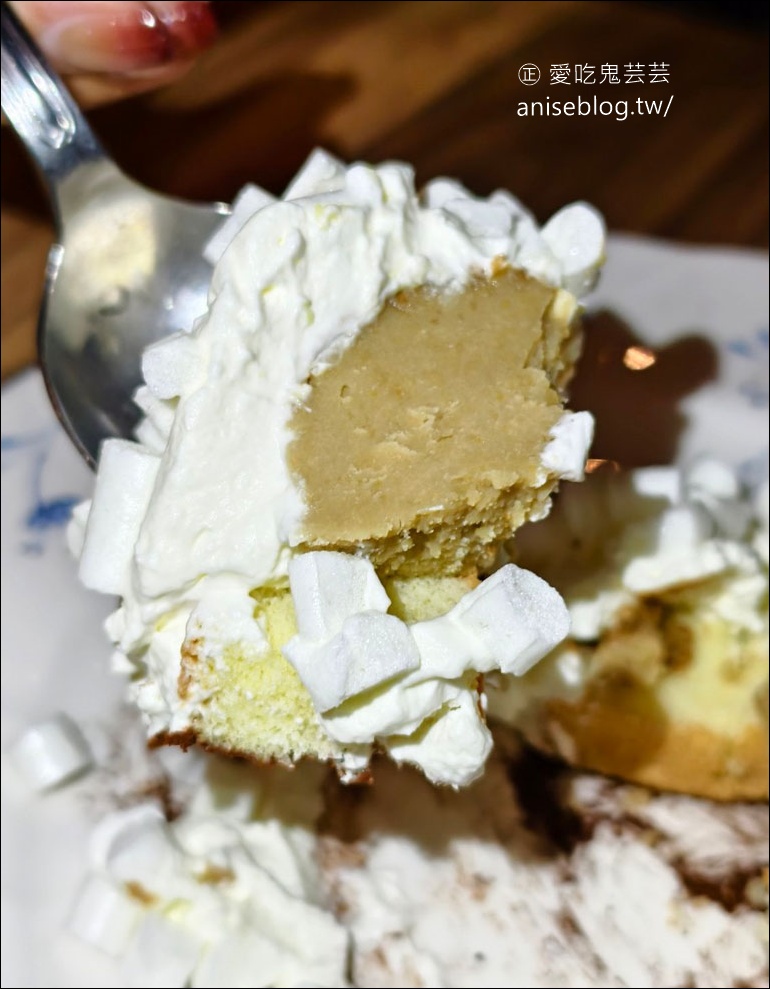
683,527
145,856
445,650
515,617
51,753
121,829
327,588
713,477
170,365
576,236
320,173
566,452
104,915
370,649
124,484
658,482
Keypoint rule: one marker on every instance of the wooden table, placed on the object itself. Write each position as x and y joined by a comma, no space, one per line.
437,84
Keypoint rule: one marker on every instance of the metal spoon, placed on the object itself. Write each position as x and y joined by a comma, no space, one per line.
127,268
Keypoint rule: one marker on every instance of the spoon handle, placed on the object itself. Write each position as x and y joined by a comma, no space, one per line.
41,110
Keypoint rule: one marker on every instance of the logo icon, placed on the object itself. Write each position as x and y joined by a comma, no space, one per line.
529,74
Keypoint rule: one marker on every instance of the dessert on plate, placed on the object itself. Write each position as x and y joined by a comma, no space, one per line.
214,872
534,875
664,677
328,460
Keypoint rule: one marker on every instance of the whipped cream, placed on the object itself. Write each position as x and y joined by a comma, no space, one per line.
275,878
201,509
619,538
227,894
464,889
653,533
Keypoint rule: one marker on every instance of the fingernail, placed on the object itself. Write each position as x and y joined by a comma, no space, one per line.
123,38
191,25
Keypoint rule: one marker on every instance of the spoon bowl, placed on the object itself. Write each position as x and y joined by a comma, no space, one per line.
127,268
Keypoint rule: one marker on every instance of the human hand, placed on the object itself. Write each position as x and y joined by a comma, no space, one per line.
108,50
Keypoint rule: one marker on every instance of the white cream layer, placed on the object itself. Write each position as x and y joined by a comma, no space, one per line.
229,894
621,537
201,509
652,531
459,890
439,889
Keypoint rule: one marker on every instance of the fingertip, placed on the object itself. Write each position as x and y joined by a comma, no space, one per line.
191,26
119,38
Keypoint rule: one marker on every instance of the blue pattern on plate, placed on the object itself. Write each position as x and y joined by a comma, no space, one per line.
753,349
31,451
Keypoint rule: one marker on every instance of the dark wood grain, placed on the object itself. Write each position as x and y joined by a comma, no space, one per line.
436,83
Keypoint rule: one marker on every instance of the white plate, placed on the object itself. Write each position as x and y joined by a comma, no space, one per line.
701,303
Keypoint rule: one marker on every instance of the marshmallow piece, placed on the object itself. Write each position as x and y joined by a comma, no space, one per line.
438,192
680,550
157,410
715,486
591,616
371,648
154,428
712,477
327,588
76,528
570,666
364,184
249,201
455,746
567,450
576,236
321,173
482,218
445,651
163,955
169,366
658,482
683,528
533,254
515,208
104,915
392,712
51,753
136,846
514,618
124,484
